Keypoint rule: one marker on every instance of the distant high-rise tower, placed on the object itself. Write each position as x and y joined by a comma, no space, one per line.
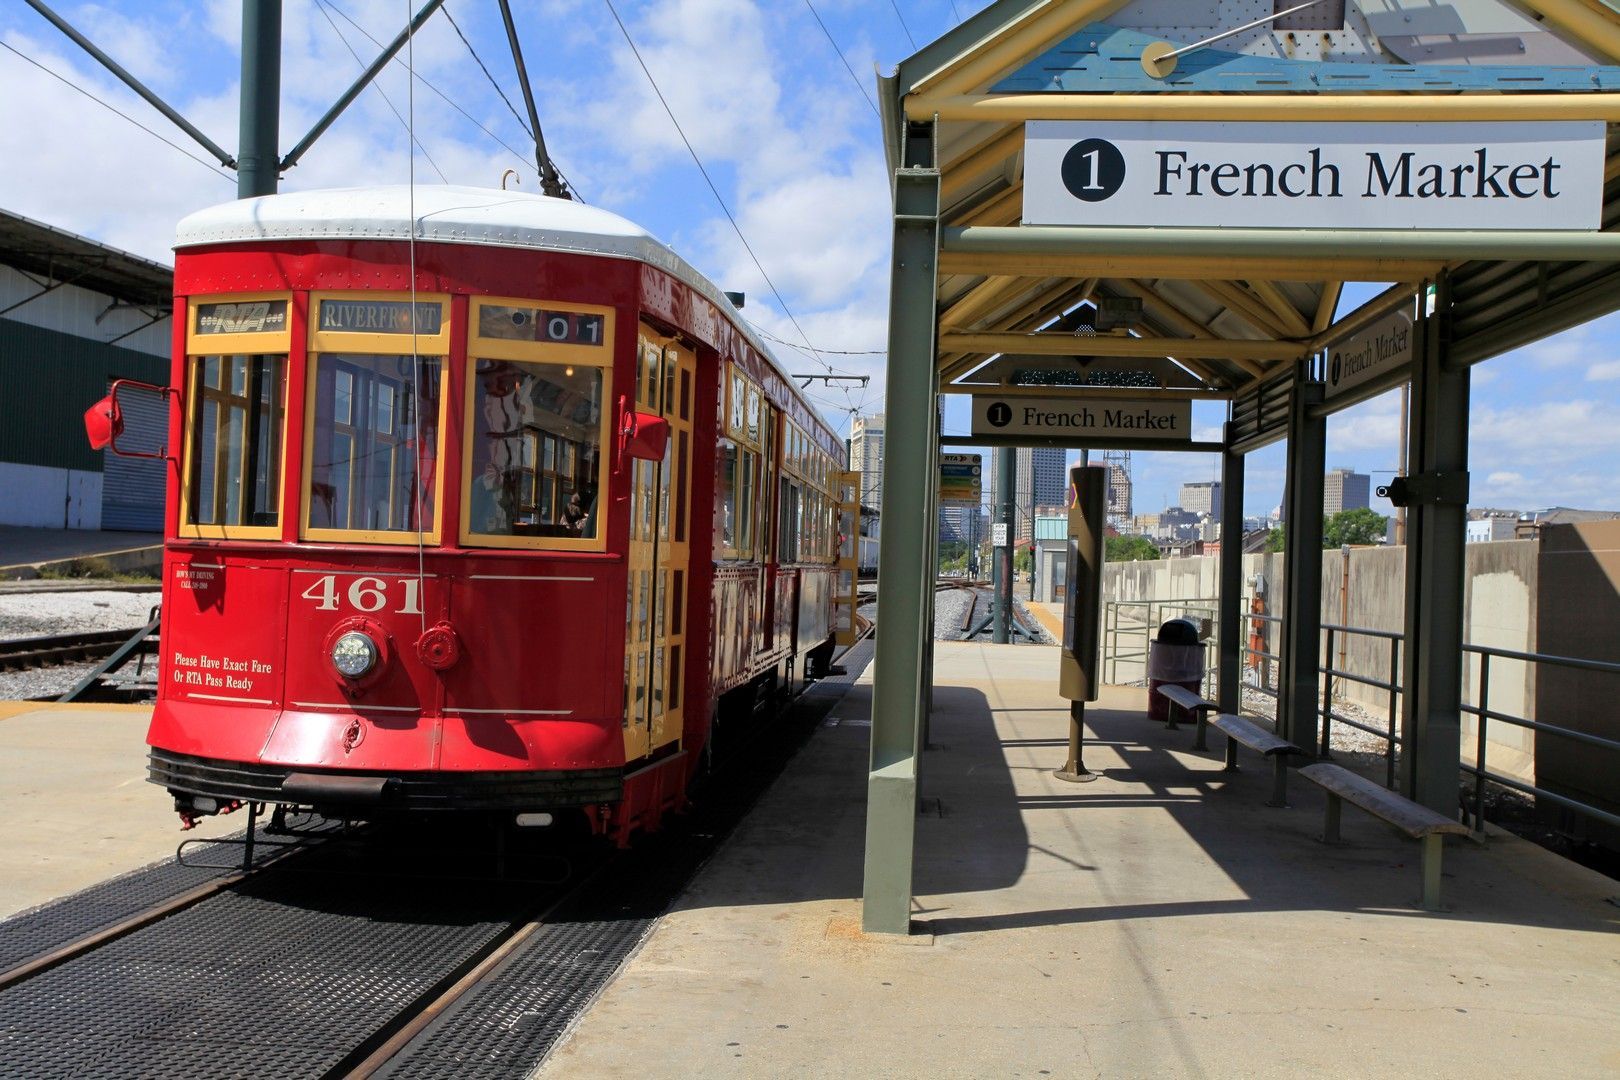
866,458
1051,476
1345,489
1201,498
1118,464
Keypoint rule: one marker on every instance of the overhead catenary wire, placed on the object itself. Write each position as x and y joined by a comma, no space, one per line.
485,69
833,42
625,30
321,4
896,5
767,335
210,166
448,100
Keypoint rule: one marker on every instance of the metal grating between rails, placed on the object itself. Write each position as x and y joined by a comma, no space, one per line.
39,930
281,975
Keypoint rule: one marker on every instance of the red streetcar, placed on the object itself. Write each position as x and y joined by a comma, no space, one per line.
420,477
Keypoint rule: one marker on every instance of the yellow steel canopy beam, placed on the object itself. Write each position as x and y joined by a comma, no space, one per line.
958,176
1004,209
1314,108
1189,268
983,298
1600,30
1329,303
1282,307
1132,347
1129,393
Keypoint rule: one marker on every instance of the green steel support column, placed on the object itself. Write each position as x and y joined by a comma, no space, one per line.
1229,673
1001,580
1302,568
903,568
257,160
1431,719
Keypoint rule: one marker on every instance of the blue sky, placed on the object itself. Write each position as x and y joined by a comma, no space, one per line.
788,136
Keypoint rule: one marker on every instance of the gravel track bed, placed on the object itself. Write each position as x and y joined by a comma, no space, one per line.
24,615
41,682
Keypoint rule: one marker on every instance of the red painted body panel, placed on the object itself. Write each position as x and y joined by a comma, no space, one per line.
538,682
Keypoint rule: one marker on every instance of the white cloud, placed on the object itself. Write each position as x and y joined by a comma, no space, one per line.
1606,371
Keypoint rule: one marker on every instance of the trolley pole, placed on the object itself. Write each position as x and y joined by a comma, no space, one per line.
258,160
1006,464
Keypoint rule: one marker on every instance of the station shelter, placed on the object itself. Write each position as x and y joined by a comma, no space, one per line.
1105,210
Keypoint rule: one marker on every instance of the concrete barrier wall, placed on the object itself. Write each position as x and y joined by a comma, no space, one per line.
1367,589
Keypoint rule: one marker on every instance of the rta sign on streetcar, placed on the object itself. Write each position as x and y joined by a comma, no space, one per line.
1315,176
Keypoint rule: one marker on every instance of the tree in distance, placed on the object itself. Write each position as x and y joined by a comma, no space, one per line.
1129,549
1277,539
1355,528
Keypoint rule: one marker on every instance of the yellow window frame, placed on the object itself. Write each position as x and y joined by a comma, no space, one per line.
479,348
199,346
324,342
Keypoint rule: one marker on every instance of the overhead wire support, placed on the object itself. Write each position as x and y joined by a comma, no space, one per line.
133,83
828,380
550,183
359,85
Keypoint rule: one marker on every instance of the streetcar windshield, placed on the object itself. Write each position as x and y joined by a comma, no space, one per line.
536,449
374,443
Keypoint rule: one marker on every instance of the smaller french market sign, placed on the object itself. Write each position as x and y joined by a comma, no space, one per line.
1255,174
1077,418
1381,348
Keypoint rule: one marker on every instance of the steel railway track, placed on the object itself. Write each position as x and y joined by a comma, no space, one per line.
24,654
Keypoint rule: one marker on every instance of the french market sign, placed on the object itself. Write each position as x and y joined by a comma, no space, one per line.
1068,417
1385,346
1315,176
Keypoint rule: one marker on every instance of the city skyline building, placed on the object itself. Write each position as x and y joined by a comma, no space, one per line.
1345,489
866,457
1203,497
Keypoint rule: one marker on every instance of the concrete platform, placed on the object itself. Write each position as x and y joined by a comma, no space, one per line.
24,552
1161,921
75,807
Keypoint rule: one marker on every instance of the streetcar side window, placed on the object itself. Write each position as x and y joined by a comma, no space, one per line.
534,463
374,417
236,368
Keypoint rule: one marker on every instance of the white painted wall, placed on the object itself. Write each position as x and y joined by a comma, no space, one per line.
42,497
72,310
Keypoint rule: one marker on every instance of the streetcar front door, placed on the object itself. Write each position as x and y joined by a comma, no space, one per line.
659,553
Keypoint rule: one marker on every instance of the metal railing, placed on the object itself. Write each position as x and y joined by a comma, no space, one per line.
1124,621
1117,630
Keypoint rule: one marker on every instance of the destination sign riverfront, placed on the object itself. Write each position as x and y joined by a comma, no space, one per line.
1315,176
1071,418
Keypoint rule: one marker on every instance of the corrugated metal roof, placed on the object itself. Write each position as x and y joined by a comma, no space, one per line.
45,251
1051,528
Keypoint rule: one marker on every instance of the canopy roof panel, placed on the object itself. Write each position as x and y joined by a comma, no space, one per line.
1230,321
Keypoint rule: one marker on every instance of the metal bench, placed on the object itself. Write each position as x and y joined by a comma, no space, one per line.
1190,704
1415,820
1258,739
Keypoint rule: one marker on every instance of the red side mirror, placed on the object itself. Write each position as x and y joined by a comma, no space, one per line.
103,422
645,436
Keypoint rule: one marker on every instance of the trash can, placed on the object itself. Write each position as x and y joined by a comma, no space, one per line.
1175,657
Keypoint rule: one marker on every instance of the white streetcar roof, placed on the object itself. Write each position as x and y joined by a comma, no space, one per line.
448,214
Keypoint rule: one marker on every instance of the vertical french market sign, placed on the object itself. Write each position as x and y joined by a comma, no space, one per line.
1316,175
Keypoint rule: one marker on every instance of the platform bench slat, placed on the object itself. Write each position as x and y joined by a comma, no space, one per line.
1414,819
1258,739
1190,704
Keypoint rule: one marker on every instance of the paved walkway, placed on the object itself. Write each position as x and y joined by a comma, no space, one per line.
75,807
23,548
1159,922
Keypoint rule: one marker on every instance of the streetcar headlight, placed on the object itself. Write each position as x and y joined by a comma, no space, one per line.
354,655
